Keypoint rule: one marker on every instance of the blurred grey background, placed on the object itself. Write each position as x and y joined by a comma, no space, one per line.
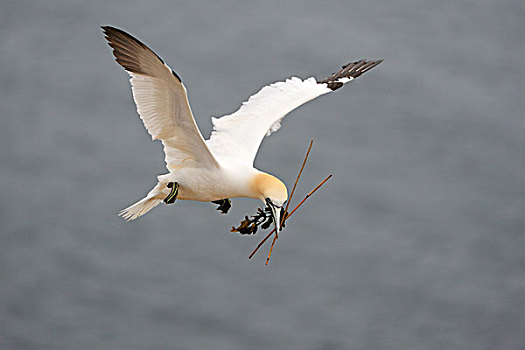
416,243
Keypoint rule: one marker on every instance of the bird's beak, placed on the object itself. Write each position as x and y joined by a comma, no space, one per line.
276,211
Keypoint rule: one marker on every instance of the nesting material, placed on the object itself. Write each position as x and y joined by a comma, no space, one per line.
287,216
263,219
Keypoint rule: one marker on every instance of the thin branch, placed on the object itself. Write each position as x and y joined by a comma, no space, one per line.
290,214
271,250
276,236
309,194
297,181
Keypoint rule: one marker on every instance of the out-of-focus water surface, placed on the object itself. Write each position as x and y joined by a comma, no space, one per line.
416,243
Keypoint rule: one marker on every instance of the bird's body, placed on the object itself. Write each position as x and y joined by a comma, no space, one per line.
206,185
221,167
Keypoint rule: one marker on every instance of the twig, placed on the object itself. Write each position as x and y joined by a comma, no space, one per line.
291,213
276,236
297,181
271,249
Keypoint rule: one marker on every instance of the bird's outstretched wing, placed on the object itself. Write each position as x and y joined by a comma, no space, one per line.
240,134
161,102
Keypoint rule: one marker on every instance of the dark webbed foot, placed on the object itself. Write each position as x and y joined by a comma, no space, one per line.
170,199
224,205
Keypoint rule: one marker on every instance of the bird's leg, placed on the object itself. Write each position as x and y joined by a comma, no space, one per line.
170,199
224,205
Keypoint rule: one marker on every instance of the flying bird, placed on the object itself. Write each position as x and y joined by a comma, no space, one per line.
221,167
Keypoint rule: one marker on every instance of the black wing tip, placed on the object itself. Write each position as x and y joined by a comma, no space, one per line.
107,27
363,60
112,33
110,30
350,70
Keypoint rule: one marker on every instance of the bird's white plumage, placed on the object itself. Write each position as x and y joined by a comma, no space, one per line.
162,102
237,137
221,167
164,109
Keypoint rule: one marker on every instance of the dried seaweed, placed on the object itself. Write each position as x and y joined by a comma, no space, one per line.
263,219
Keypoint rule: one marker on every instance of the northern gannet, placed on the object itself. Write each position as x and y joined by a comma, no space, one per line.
222,166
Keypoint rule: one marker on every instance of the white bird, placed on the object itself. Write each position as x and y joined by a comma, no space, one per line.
221,167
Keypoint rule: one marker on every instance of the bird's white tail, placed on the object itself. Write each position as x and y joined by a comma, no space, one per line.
140,208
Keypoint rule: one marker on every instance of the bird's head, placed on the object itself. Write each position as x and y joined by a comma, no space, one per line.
272,192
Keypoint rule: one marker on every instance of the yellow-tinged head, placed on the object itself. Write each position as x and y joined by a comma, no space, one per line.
267,186
272,192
